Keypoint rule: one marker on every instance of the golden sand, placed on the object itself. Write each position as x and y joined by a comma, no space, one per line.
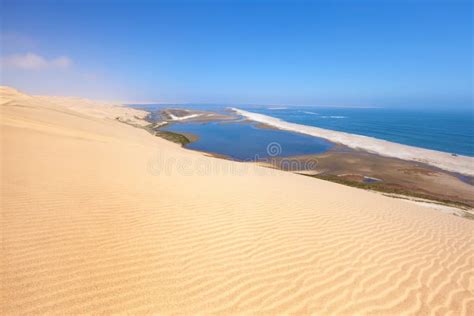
102,217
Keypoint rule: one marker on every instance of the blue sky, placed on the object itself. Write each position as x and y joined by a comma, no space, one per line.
363,53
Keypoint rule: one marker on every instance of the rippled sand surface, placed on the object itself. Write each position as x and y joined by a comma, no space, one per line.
102,217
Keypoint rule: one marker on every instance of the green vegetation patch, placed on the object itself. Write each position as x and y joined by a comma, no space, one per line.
173,137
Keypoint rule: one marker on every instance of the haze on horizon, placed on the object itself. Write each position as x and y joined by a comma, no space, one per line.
367,53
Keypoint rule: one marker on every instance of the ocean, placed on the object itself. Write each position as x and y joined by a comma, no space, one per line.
440,130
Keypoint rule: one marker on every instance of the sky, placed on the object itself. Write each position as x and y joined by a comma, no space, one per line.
347,53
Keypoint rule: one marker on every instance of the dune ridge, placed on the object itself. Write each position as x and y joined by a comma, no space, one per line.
102,217
459,163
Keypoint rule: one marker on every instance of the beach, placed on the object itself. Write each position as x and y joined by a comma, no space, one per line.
455,163
100,216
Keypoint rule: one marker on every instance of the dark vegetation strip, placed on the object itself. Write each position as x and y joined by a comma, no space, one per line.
387,188
171,136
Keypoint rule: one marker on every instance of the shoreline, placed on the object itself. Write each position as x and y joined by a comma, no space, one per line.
394,188
459,164
358,168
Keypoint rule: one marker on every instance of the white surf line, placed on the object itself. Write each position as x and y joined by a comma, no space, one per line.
180,118
446,161
334,116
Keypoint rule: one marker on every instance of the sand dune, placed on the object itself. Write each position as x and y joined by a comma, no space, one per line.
102,217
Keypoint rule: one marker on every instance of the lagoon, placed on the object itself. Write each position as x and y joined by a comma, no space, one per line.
245,141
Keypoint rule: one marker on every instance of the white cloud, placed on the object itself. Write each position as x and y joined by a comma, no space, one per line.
61,62
31,61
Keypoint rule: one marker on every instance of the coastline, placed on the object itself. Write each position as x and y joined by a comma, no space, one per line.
460,164
101,217
354,167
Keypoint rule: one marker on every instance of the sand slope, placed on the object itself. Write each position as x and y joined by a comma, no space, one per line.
101,217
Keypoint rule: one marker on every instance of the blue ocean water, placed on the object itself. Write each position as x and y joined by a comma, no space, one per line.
442,130
449,131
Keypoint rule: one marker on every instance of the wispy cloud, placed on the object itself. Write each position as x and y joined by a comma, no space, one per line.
32,61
